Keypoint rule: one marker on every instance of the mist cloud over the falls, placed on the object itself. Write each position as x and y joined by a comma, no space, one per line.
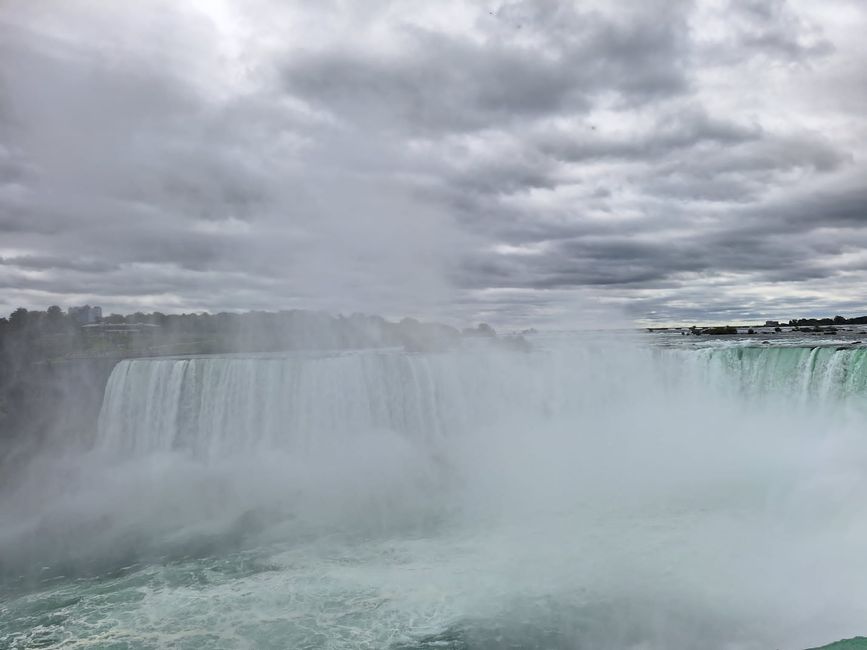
588,492
477,160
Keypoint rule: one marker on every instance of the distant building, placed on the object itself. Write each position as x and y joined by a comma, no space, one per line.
85,315
772,323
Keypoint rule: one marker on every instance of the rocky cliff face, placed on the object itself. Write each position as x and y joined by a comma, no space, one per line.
51,400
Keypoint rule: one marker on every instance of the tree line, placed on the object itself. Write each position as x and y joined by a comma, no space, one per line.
837,320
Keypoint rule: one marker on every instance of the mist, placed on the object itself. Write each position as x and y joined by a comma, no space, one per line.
587,491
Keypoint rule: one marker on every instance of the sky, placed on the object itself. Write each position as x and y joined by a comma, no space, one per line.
519,162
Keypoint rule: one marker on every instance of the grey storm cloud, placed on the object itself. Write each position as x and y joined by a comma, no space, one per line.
439,83
512,160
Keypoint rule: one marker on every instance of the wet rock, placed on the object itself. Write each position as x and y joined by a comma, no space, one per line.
727,330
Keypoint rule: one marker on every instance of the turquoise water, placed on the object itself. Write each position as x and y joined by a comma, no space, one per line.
847,644
586,495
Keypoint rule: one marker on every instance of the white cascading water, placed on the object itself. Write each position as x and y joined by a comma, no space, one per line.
213,406
216,406
224,405
593,492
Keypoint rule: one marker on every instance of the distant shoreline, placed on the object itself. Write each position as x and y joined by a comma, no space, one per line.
825,324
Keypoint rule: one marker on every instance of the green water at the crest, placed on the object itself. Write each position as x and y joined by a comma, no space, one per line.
857,643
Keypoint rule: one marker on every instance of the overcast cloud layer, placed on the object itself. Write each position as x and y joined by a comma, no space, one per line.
516,162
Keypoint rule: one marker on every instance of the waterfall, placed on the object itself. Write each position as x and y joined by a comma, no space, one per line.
220,405
818,375
217,406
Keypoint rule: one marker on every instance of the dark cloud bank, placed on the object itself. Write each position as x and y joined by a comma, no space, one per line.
509,161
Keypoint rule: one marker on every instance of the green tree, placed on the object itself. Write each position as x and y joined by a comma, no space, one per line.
18,319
